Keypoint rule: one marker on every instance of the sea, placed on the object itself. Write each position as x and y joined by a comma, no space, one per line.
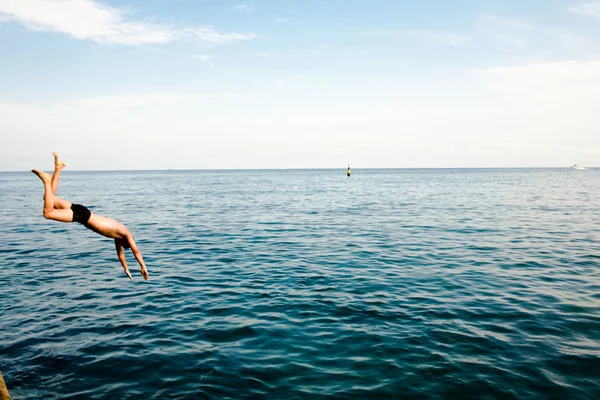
306,284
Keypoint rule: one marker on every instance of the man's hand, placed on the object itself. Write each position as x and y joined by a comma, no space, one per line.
129,274
144,273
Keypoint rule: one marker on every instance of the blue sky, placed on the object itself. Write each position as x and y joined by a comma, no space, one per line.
299,84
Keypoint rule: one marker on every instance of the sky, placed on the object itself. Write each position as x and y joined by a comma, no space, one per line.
219,84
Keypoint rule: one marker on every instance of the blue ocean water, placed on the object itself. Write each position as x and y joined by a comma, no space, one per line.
436,284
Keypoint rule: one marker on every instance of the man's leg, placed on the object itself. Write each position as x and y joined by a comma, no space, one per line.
61,204
62,215
58,166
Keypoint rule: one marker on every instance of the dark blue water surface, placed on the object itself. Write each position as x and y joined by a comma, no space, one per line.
306,284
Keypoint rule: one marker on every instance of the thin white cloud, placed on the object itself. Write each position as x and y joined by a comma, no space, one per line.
553,91
90,20
533,41
589,9
282,20
562,72
555,102
440,37
276,85
242,7
202,57
132,99
208,34
280,84
509,23
125,100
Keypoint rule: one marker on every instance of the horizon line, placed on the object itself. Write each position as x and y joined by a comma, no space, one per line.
296,169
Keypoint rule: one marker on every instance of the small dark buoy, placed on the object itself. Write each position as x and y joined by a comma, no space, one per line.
348,170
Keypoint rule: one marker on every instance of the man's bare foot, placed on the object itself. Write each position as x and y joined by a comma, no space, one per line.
58,163
144,273
42,175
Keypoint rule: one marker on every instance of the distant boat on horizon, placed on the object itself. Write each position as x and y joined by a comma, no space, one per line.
578,167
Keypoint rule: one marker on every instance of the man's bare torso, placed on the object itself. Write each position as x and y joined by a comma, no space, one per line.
107,227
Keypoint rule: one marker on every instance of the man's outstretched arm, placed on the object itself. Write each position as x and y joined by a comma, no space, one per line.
138,257
121,255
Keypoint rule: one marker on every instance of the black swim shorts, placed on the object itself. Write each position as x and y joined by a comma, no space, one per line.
80,213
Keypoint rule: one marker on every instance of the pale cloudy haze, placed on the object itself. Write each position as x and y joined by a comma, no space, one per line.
299,84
